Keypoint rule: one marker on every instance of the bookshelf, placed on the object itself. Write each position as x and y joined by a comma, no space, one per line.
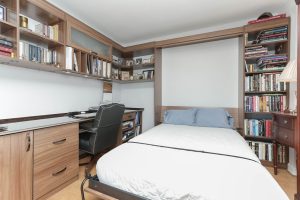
131,124
266,53
134,66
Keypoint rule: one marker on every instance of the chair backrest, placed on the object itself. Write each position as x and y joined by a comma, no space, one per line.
107,122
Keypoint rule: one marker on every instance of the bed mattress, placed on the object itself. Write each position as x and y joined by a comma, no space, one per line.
188,163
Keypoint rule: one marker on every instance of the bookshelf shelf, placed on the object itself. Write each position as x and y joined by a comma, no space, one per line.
264,56
33,37
265,92
132,81
263,72
267,43
6,26
259,138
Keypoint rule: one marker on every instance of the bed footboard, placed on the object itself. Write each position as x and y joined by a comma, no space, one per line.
107,192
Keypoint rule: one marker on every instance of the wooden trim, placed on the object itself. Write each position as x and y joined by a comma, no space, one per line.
158,85
297,134
203,37
21,119
138,47
99,194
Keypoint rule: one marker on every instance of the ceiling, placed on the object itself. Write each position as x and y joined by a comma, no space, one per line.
135,21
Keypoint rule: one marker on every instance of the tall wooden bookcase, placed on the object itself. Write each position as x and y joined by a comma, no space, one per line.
266,53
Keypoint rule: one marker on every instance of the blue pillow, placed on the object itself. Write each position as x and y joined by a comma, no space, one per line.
213,117
180,117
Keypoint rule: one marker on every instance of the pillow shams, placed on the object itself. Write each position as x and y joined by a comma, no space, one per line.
180,117
213,117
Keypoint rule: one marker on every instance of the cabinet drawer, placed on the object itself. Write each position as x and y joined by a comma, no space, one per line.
285,122
284,136
129,116
48,179
53,142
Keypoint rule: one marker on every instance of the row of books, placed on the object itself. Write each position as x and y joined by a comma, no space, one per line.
35,53
6,48
267,60
274,34
264,83
93,64
51,32
264,151
268,67
257,127
255,51
265,103
127,125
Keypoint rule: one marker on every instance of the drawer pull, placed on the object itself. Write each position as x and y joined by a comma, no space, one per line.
59,172
28,142
60,141
285,121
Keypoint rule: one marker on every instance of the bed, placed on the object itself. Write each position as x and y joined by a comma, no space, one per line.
187,163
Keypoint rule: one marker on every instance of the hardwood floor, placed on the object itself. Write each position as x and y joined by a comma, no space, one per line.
284,178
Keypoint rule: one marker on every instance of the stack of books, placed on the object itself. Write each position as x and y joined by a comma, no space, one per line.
6,48
263,151
51,32
273,35
265,103
256,127
256,51
32,52
269,60
264,83
278,66
267,19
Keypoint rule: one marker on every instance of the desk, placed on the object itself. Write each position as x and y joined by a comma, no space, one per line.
40,157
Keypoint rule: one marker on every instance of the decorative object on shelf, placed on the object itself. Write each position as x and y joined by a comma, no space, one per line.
138,76
23,22
2,12
138,61
129,63
124,76
289,74
131,78
146,60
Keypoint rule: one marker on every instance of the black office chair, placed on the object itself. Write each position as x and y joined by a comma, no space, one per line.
102,135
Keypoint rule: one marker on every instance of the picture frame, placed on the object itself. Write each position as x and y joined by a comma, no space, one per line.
124,76
148,74
138,61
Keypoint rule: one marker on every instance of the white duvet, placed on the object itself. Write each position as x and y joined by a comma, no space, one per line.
205,173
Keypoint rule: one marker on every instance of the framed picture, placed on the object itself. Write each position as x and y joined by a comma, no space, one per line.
148,74
124,76
2,13
129,63
138,61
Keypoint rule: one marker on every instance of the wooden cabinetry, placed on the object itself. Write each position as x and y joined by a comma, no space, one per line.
133,66
56,160
16,155
284,131
266,53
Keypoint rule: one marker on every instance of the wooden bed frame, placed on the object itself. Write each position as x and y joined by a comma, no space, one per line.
106,192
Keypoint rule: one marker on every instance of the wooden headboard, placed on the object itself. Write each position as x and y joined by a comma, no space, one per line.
234,112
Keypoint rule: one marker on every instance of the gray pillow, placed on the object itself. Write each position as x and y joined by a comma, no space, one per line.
213,117
180,117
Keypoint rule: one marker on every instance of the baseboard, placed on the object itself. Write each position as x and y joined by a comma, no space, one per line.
292,169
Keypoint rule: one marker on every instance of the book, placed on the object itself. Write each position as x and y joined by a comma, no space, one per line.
69,61
267,19
75,65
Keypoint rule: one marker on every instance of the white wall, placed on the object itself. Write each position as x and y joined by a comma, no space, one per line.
26,92
140,95
204,74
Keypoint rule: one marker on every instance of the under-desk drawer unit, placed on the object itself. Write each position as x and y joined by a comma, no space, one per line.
56,158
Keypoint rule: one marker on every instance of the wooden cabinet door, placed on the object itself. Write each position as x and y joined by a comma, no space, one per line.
16,163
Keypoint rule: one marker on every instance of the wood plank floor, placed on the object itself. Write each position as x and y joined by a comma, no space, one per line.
284,178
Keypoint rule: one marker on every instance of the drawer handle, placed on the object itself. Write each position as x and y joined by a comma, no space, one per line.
60,141
59,172
285,121
28,142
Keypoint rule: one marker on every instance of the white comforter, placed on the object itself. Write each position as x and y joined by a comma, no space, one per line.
156,172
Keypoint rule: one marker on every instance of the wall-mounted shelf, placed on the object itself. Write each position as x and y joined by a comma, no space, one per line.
132,81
